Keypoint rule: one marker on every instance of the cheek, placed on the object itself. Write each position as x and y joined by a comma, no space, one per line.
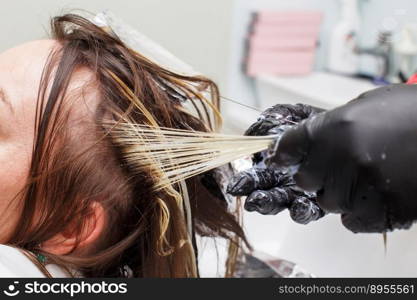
14,169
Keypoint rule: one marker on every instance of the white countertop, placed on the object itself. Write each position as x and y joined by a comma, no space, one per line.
320,88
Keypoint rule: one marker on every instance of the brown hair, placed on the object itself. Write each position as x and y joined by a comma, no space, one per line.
145,230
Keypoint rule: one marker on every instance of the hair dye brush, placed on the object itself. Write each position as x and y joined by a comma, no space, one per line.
180,154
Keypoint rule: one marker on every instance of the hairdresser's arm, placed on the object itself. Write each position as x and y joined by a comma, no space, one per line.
361,159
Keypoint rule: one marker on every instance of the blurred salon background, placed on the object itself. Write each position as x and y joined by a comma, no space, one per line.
263,52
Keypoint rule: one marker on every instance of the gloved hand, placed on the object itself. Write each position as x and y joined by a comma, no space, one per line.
270,189
360,158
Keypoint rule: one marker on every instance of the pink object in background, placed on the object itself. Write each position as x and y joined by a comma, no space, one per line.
282,43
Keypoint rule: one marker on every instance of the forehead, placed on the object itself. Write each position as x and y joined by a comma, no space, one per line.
21,71
24,64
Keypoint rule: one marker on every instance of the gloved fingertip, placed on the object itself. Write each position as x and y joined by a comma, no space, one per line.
240,185
304,211
249,206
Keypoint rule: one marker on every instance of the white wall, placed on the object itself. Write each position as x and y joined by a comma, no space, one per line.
376,15
240,87
381,15
197,31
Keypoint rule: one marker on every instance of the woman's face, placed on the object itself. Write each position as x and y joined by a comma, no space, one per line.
20,73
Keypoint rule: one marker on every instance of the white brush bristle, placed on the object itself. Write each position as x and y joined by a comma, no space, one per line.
181,154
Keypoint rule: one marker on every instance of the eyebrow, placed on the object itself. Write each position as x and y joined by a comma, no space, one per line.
5,99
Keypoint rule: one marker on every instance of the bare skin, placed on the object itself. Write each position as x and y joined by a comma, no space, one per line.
20,74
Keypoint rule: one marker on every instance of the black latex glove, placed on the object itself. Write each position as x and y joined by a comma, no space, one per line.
360,158
270,190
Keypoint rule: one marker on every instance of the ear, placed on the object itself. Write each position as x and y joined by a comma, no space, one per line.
65,242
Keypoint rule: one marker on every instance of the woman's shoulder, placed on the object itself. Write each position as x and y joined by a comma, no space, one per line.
14,263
